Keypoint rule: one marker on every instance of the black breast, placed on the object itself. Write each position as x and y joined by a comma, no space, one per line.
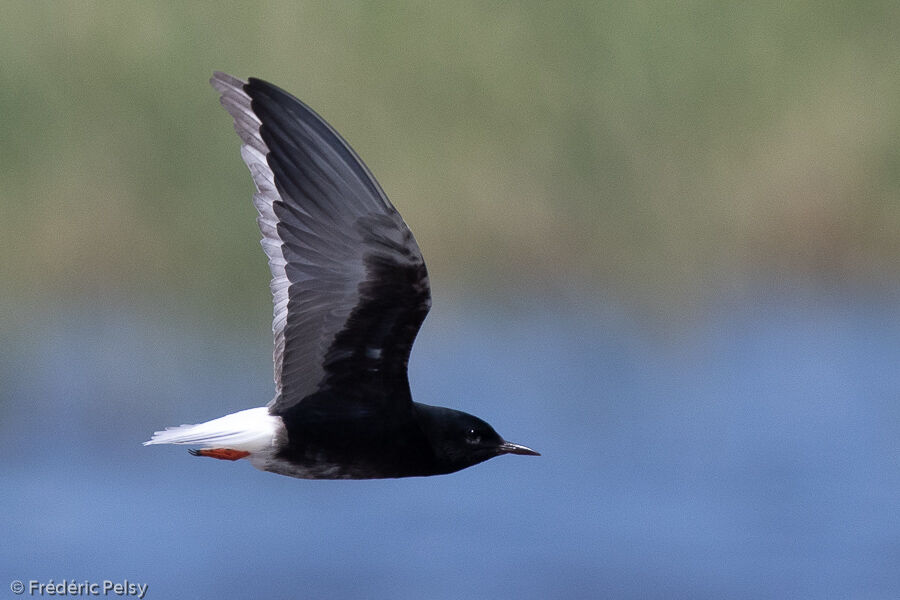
354,440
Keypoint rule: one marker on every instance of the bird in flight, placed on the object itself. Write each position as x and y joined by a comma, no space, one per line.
350,290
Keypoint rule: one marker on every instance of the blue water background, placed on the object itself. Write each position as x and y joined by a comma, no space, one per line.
751,453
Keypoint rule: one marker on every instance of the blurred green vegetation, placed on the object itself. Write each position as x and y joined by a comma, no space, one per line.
651,150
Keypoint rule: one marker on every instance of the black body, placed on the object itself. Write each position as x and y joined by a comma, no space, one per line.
351,291
428,440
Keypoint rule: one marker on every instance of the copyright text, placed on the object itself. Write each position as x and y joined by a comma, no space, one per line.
72,587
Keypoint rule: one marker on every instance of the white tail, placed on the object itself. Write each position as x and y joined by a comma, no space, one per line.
251,430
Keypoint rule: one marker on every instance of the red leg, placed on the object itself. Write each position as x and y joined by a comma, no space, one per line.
221,453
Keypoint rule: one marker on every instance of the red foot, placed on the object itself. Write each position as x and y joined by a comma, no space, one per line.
221,453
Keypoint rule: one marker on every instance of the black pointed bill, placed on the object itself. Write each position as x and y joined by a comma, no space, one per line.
510,448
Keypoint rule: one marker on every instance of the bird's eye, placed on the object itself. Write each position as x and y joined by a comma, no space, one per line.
472,436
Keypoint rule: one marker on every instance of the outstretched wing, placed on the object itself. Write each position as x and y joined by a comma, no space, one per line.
348,280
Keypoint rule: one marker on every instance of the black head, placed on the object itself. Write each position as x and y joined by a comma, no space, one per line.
461,440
